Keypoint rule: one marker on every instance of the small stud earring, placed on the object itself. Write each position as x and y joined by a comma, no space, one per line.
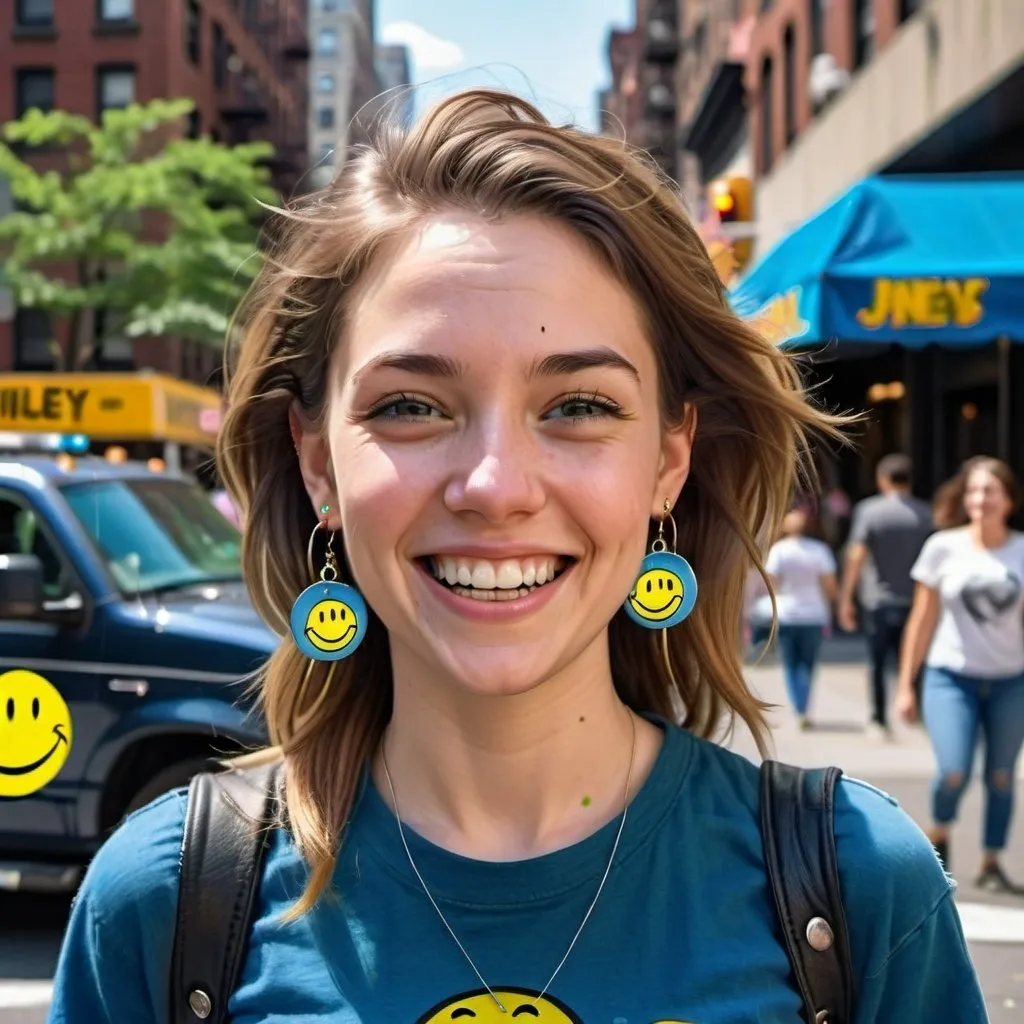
324,509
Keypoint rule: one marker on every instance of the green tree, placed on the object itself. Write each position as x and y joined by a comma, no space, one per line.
157,231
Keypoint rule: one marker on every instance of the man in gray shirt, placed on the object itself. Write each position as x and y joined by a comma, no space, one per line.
886,536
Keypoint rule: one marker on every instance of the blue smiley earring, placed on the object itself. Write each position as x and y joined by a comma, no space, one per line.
328,619
666,589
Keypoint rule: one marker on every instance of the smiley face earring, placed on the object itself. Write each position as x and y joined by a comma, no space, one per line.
328,619
666,589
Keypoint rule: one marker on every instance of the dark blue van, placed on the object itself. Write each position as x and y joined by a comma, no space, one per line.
123,588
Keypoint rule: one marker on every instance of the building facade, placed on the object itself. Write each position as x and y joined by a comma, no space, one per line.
621,105
394,73
242,62
343,81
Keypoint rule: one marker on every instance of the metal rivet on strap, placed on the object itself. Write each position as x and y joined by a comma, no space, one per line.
819,934
200,1002
821,1017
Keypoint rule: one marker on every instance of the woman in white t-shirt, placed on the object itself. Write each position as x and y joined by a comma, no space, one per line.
803,574
967,627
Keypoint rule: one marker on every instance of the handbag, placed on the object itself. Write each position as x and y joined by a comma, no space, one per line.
231,815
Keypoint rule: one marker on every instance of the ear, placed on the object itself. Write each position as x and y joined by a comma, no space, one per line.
674,466
314,457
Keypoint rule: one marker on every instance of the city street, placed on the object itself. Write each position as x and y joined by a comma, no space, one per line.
994,925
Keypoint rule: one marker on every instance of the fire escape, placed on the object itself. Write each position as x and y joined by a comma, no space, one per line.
660,52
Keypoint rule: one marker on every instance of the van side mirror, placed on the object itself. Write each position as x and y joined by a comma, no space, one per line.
21,587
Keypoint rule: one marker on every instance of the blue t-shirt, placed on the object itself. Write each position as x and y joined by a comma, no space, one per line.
684,931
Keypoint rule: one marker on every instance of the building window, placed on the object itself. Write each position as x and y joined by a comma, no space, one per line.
767,115
326,84
117,10
33,340
863,31
192,31
116,87
817,23
34,13
195,124
33,88
220,57
327,42
325,117
789,82
908,8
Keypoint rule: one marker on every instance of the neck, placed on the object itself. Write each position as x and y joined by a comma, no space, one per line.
989,534
506,777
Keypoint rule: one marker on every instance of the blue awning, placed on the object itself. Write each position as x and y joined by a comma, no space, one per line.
906,260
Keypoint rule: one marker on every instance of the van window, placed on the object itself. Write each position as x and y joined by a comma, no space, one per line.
22,533
157,535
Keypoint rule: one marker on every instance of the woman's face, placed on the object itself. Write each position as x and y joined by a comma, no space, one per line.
494,450
985,499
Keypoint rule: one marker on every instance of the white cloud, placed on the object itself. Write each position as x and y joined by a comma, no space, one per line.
428,51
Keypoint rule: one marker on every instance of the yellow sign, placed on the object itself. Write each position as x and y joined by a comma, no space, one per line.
924,302
110,407
780,319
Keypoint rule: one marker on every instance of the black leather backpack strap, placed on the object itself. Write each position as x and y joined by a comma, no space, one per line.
797,808
227,826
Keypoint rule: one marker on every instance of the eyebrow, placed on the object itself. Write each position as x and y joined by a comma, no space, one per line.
559,364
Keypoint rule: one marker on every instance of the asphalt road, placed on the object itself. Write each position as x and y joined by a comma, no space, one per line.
30,927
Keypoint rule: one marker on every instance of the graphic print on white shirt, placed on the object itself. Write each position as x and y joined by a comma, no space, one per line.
981,621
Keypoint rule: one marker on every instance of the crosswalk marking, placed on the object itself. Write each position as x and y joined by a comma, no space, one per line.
983,922
21,995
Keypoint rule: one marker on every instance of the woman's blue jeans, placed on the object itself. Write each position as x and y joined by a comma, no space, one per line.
799,646
955,707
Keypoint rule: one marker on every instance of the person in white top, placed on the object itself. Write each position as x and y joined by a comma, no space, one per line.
967,627
802,570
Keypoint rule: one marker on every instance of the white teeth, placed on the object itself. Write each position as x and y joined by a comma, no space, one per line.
483,576
509,576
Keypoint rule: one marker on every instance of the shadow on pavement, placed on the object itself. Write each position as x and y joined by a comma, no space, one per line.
31,928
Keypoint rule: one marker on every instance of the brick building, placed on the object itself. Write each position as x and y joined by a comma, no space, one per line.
621,105
243,62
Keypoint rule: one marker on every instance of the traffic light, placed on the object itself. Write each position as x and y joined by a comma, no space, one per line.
732,199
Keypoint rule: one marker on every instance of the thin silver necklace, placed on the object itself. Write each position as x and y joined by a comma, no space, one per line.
586,916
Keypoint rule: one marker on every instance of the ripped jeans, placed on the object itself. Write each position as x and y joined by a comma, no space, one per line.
954,708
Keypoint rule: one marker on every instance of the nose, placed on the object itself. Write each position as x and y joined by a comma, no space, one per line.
498,473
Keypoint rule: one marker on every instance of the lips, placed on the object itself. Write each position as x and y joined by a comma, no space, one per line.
29,768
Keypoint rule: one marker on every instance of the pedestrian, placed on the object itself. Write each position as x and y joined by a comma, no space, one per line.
886,536
802,570
490,385
967,627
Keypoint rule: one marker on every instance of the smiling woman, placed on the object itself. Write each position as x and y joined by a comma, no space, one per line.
490,382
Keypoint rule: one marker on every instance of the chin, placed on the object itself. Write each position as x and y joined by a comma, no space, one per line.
494,673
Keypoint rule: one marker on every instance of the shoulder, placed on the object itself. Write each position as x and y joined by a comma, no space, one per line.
120,882
942,542
821,549
887,864
116,952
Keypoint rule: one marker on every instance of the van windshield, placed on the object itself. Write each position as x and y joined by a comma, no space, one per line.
157,535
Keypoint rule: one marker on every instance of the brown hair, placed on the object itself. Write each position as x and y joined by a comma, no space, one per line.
496,155
948,502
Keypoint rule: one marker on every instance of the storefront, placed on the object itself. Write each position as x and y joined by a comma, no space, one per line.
148,415
906,296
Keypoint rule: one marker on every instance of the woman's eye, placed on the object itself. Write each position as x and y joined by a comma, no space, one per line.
405,409
582,408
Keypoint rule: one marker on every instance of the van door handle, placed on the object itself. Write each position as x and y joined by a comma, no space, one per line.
137,686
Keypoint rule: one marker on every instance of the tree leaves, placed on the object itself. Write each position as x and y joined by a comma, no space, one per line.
129,216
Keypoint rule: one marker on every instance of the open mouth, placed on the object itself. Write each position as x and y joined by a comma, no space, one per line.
26,769
481,579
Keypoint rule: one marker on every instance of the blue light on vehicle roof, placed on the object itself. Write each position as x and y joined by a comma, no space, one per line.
75,443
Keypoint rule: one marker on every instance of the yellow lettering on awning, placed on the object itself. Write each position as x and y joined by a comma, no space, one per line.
924,302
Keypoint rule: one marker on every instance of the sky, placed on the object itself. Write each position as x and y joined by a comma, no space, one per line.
552,52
